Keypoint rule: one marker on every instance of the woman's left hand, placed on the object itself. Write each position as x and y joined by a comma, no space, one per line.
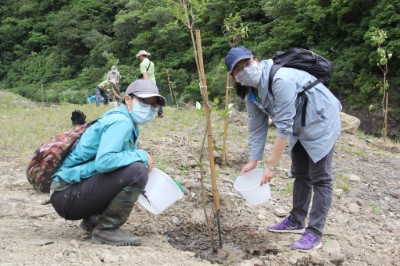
267,176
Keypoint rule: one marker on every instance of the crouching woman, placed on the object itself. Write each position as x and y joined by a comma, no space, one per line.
105,173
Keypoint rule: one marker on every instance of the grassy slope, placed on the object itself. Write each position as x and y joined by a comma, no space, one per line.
25,125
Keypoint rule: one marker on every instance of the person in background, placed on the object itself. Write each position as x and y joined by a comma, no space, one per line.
311,143
103,176
103,88
114,74
147,71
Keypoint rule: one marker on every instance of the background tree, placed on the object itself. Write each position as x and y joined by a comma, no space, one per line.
377,39
73,38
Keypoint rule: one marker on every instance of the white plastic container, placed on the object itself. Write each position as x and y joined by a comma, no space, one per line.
249,187
161,191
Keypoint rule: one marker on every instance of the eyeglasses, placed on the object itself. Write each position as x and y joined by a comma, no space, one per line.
149,101
241,65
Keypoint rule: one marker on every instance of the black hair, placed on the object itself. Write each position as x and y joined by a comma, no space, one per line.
241,90
78,118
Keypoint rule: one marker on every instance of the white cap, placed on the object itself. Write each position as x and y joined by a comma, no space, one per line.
142,52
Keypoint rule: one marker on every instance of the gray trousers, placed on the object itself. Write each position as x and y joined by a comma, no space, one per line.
311,177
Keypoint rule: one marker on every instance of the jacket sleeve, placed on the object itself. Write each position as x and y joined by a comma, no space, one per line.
285,95
112,153
258,129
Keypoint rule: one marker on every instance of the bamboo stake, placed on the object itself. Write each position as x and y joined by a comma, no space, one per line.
170,90
42,92
203,172
209,133
42,89
228,87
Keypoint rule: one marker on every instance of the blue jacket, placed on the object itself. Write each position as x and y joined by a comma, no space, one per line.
107,145
322,127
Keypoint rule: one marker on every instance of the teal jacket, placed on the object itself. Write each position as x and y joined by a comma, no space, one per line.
107,145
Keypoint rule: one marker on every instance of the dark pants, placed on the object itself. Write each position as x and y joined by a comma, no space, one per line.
93,195
311,177
102,93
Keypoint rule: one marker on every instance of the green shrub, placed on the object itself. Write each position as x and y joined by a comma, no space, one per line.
72,96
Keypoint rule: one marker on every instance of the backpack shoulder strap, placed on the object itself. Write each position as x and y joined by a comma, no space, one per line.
275,68
309,87
272,72
304,108
92,122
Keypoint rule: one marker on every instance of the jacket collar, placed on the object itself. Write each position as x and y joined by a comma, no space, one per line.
263,87
125,111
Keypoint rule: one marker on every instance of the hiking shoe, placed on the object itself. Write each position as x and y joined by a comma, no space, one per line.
116,237
307,243
285,226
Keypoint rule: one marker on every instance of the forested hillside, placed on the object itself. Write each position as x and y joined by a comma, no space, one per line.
68,46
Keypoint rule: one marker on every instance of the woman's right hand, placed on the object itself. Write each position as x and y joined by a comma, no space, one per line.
150,163
249,166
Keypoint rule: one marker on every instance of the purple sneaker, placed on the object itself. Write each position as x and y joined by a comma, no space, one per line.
307,243
285,226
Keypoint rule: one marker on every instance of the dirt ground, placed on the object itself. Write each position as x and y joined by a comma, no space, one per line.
362,228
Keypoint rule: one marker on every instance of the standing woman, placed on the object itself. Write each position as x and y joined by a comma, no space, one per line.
311,141
103,176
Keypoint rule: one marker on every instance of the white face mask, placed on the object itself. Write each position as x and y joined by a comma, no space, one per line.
250,75
142,113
